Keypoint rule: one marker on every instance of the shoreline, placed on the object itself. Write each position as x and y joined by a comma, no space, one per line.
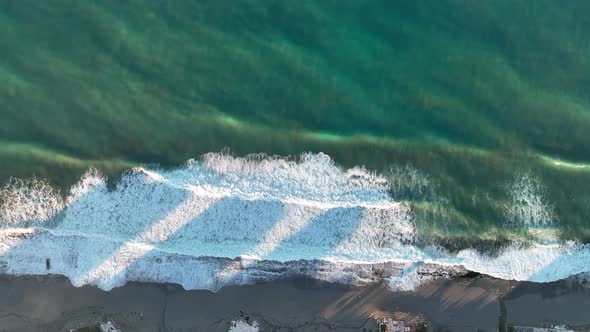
51,303
112,262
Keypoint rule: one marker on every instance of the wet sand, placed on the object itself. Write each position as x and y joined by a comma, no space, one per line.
51,303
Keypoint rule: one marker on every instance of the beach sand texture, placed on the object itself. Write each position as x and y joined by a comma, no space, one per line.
51,303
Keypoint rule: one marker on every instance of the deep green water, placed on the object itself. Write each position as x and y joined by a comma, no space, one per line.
469,93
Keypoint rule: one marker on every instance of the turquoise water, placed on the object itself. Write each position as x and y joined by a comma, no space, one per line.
461,104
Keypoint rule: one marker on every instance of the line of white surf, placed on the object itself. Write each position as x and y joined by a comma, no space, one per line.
280,217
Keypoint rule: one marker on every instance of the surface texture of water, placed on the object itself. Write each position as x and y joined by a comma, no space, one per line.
477,113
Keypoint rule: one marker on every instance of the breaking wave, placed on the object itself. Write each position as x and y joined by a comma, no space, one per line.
225,220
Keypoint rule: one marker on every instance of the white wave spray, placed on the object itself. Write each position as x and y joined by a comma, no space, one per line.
225,220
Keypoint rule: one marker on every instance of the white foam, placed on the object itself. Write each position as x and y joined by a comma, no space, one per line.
25,203
243,326
278,217
528,206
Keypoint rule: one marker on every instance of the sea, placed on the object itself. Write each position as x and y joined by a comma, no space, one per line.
209,143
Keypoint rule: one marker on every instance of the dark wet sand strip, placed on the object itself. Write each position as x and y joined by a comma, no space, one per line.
51,303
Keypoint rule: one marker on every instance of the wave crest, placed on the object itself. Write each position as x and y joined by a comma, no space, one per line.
228,220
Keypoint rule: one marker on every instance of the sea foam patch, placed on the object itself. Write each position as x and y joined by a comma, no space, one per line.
226,220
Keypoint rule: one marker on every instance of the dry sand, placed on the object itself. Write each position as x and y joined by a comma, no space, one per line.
51,303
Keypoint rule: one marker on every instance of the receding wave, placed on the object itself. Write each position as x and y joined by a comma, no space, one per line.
226,220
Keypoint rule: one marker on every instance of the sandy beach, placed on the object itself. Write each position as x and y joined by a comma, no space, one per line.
51,303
